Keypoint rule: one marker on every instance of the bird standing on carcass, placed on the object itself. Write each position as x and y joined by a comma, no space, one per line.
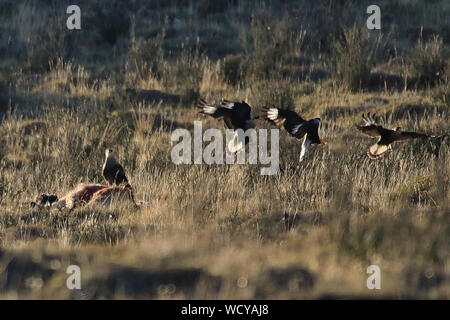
114,173
86,193
112,170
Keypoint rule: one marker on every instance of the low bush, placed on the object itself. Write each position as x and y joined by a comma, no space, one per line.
427,62
354,55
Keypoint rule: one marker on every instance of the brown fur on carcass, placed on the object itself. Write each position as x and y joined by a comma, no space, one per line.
95,193
114,193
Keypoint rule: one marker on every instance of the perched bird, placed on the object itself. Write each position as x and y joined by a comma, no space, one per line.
297,127
112,170
386,136
236,115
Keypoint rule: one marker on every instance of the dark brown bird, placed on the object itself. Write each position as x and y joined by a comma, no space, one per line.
236,115
296,126
112,170
386,136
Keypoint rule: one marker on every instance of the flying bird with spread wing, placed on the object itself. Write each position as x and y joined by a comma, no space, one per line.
386,136
112,170
296,126
236,115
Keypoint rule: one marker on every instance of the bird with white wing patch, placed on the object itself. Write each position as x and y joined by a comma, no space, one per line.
296,126
236,115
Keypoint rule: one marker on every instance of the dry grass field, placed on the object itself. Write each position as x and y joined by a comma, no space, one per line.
134,73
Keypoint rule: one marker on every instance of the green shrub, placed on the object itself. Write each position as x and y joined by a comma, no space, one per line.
185,74
217,6
427,62
189,68
442,92
274,42
46,44
277,94
146,57
233,68
4,92
354,55
112,20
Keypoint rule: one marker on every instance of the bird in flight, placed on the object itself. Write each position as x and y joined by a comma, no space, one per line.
236,115
112,170
386,136
297,127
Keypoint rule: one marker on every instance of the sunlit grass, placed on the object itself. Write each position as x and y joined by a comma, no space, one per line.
221,231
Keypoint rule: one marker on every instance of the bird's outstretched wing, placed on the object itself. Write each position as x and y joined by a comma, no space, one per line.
211,110
371,130
216,112
235,114
290,120
241,110
405,135
370,127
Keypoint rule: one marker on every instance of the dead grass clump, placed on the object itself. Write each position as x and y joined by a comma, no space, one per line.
418,191
381,233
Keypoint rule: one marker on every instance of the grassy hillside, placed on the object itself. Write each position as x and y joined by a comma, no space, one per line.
134,73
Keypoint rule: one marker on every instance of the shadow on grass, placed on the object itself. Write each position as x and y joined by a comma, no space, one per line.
153,96
135,283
